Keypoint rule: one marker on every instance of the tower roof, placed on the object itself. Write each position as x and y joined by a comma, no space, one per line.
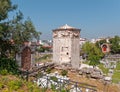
66,27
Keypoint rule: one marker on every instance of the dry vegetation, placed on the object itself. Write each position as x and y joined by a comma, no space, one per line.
12,83
100,85
44,58
23,86
74,76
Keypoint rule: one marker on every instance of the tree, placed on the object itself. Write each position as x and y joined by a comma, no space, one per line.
5,7
93,52
14,32
99,43
94,59
23,31
115,45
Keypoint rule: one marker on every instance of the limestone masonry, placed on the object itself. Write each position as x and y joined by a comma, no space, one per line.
66,46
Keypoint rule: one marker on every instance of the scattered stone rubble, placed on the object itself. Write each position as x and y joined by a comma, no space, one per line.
92,72
95,73
88,71
47,82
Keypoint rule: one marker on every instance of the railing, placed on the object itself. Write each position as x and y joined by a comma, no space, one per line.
35,70
62,85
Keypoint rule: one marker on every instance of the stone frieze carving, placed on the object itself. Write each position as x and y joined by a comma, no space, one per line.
65,34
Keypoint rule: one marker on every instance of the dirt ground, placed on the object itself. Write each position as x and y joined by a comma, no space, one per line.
98,83
101,87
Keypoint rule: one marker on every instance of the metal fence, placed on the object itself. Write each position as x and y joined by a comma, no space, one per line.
62,85
59,85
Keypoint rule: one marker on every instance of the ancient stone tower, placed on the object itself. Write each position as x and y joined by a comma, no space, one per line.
66,46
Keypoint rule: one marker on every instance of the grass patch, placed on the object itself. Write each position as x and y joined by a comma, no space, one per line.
4,72
46,57
11,83
101,66
64,72
86,62
116,75
118,66
15,84
104,70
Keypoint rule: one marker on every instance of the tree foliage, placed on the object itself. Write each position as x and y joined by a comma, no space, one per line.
64,72
94,54
5,32
8,65
23,31
115,45
14,32
99,43
5,7
42,48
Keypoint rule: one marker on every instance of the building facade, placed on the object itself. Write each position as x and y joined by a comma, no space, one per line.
105,48
66,48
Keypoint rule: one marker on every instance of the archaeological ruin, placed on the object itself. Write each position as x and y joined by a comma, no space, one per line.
26,56
66,46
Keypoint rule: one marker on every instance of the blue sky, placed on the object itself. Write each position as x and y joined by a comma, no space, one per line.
95,18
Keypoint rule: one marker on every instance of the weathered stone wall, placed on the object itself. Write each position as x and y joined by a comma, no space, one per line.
75,54
26,58
18,59
66,46
62,49
56,50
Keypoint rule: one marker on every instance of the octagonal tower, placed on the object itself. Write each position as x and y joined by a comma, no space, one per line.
66,46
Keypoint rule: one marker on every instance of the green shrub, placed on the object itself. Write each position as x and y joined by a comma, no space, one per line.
15,84
5,80
40,74
4,72
1,85
63,90
32,87
48,70
53,87
64,72
8,84
104,70
54,78
8,64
